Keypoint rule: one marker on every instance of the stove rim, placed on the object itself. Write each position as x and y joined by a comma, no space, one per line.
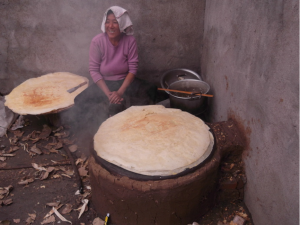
120,172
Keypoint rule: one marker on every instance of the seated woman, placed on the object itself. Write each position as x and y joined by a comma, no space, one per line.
113,64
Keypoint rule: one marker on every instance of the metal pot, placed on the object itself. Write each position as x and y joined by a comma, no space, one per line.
173,75
189,103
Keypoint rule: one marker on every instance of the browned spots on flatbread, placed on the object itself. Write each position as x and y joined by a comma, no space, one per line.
152,124
40,97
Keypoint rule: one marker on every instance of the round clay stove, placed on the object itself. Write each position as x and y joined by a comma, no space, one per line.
176,197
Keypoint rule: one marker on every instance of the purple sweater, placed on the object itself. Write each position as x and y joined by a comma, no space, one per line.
110,62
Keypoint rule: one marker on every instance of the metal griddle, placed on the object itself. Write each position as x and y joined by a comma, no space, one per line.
119,171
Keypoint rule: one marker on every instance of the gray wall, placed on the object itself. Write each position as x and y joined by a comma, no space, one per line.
40,36
251,60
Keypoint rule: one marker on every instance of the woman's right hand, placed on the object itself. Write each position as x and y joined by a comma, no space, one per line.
114,97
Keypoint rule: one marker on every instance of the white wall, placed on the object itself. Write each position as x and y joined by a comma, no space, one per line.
251,61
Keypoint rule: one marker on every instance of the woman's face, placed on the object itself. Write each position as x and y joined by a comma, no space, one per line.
112,27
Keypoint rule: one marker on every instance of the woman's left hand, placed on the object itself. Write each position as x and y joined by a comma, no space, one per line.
115,98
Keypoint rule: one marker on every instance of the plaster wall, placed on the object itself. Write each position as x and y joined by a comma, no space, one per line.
251,60
39,37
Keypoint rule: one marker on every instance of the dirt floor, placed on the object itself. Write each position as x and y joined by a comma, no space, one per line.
36,175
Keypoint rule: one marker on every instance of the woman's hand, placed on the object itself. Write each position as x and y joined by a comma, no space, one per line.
115,98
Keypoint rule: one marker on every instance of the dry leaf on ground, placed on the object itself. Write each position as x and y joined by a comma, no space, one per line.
237,220
58,145
18,133
78,161
13,140
16,220
69,172
67,209
98,221
25,146
83,207
73,148
2,159
67,141
50,169
55,176
36,150
46,152
65,175
5,222
50,219
37,167
44,175
7,155
26,138
86,194
13,149
19,123
52,150
30,219
31,135
62,168
34,140
53,204
6,201
27,181
63,134
49,146
52,211
45,132
5,190
243,215
58,129
82,171
60,216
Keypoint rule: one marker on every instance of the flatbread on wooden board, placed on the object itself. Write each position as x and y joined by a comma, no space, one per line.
45,94
154,140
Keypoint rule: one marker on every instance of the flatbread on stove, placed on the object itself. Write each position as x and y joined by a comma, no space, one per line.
45,94
154,140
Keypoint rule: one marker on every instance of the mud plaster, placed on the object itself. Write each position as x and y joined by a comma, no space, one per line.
181,200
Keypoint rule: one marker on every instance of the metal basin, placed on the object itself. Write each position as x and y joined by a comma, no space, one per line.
174,75
189,103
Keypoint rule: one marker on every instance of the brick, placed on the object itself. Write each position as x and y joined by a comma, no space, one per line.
228,195
229,184
240,184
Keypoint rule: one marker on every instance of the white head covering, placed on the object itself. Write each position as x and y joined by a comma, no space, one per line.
122,18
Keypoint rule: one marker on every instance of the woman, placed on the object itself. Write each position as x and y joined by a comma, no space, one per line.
113,64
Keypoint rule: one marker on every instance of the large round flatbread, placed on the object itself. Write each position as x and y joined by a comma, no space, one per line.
45,94
154,140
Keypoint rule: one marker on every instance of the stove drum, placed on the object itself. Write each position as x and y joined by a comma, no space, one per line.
181,199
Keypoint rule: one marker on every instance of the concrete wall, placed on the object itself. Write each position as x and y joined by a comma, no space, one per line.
251,60
40,36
